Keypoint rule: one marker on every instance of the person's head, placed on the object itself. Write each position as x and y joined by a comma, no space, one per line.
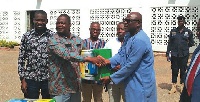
198,29
181,21
95,30
40,20
133,22
120,30
63,24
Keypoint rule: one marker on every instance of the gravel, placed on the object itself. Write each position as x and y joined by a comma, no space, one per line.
10,83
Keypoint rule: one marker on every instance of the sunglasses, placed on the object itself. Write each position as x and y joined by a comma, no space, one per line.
130,20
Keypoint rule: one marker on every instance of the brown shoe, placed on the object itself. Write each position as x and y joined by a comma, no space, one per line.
173,89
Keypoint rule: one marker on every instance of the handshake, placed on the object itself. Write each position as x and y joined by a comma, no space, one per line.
99,61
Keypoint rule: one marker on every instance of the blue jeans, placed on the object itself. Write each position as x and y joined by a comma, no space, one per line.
33,89
70,97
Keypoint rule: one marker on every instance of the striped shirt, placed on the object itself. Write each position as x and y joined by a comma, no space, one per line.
94,45
192,72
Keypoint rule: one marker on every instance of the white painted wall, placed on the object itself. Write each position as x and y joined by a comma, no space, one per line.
142,6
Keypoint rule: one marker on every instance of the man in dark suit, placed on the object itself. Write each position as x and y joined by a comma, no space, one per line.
180,40
191,90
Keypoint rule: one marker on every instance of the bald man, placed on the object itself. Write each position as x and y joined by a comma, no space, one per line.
137,63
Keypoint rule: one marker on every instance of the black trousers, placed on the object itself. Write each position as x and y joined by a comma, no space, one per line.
184,97
176,64
33,89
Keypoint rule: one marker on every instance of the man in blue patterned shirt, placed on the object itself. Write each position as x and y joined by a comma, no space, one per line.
33,56
93,42
64,56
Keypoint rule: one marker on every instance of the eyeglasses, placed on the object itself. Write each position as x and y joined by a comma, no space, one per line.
130,20
93,29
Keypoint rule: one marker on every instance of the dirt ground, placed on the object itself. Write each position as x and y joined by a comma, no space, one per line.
10,84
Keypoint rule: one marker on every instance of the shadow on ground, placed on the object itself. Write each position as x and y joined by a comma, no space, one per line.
166,86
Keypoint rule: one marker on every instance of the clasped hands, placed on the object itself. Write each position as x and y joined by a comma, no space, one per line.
99,61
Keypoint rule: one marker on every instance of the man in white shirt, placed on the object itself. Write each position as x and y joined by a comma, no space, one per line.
115,91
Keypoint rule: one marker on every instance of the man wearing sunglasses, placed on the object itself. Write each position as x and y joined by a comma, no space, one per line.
137,63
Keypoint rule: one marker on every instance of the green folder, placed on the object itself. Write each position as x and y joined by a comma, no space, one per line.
103,71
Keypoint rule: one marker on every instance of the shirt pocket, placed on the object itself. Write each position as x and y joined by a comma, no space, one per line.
70,47
185,38
184,42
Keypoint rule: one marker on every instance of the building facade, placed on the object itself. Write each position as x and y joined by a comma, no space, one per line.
159,16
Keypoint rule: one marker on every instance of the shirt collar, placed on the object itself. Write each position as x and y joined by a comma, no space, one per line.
71,37
184,29
33,32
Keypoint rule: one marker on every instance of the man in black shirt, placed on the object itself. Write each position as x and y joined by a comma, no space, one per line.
180,40
33,56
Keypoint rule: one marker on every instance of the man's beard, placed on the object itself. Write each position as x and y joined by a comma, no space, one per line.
133,30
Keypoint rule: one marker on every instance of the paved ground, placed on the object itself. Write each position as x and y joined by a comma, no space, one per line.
10,84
